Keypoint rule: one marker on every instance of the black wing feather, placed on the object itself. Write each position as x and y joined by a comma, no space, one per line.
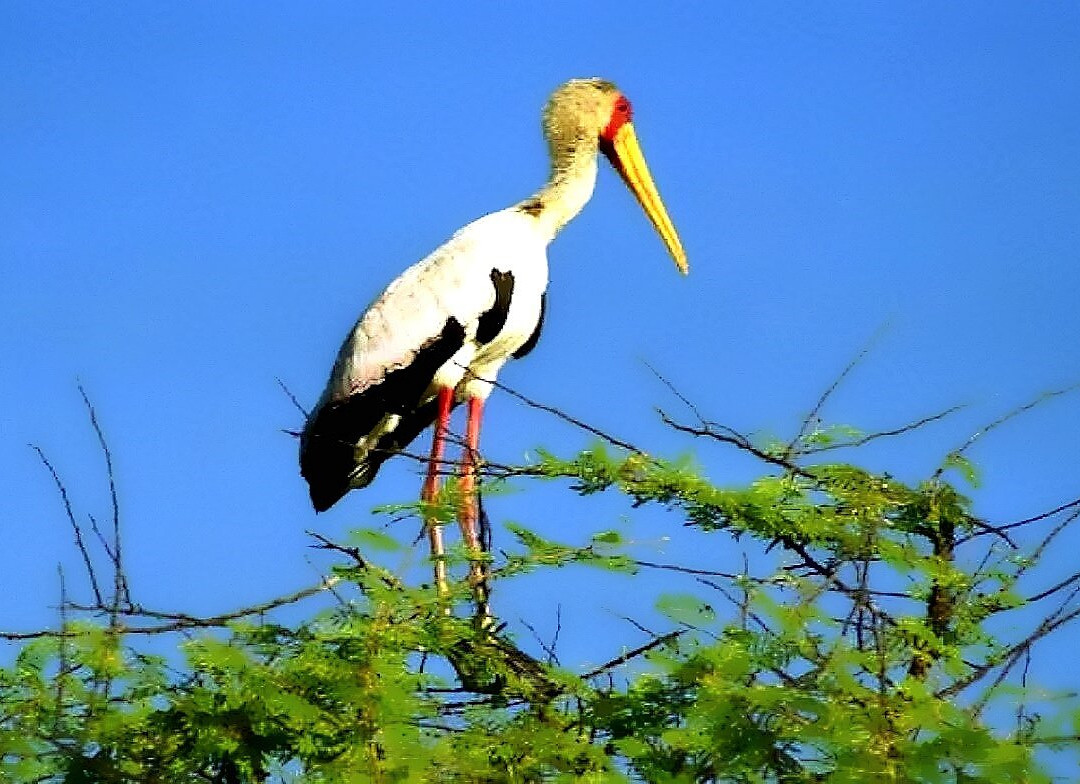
328,455
493,319
530,344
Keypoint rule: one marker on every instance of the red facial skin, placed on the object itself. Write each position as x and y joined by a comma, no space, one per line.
620,116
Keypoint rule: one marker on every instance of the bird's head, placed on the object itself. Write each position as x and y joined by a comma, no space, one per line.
594,112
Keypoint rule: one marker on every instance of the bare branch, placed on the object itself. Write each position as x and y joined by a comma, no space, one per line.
983,528
682,398
1015,655
74,523
1070,580
110,553
565,417
707,572
177,621
117,555
707,430
39,634
1011,656
218,620
100,537
898,431
549,649
1040,548
632,654
741,603
558,631
1002,420
816,410
1069,505
62,653
354,553
292,397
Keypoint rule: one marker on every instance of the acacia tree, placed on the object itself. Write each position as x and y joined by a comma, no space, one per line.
858,650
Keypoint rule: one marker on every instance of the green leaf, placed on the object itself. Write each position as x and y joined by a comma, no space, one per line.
964,466
685,608
368,539
608,537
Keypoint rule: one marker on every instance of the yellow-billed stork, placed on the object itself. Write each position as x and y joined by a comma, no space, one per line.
441,331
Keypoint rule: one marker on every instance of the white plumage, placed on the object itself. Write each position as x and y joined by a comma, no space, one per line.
452,283
440,332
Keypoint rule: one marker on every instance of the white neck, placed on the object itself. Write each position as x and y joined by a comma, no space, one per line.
568,190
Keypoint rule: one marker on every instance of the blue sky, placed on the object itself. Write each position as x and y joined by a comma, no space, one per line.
198,199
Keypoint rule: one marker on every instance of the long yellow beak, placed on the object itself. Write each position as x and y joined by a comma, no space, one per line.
626,156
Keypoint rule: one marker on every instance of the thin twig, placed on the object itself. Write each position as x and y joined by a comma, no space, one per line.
1036,518
624,658
119,580
217,620
61,675
707,430
565,417
1002,420
637,625
74,524
816,410
1021,708
1053,589
1008,658
354,552
178,621
739,603
552,657
1040,548
109,552
558,630
292,397
682,398
898,431
983,528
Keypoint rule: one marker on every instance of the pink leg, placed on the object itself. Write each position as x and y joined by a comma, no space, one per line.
469,512
431,487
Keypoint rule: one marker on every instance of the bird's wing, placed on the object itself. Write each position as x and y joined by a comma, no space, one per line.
376,401
455,284
409,316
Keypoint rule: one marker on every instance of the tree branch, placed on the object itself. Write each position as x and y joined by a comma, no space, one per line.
79,543
1002,420
816,410
633,654
729,436
120,589
565,417
898,431
178,621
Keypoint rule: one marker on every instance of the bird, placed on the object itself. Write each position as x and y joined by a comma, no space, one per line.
438,335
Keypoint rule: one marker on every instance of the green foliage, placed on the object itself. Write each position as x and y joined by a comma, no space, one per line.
862,655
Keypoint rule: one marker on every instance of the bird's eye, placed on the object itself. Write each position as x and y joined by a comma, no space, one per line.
620,115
